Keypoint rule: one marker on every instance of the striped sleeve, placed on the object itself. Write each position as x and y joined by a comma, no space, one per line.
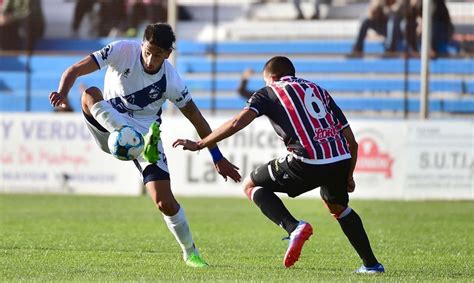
338,113
259,102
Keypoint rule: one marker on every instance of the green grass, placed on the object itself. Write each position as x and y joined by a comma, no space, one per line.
83,238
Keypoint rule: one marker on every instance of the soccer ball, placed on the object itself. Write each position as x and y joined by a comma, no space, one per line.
126,143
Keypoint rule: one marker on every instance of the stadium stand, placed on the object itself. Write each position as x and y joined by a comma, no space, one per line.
454,80
360,85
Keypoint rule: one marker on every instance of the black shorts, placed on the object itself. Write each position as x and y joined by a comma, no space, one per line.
293,177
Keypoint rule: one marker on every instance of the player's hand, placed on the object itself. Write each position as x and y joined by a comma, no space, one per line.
187,144
227,169
351,185
247,74
57,99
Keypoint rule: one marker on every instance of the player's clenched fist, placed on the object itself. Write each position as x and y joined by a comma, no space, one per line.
57,99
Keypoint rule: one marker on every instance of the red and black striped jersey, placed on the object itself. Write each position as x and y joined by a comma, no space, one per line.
305,117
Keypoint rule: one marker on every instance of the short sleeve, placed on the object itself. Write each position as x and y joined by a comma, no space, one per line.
259,102
109,55
338,113
176,91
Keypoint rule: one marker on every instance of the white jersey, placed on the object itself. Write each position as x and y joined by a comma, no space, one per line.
132,91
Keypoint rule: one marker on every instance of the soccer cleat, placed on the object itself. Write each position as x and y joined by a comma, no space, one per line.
297,239
378,268
194,260
151,152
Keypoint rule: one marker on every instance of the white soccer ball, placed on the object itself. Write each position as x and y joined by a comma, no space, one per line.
126,143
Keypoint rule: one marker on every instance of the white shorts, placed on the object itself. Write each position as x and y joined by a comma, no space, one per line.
158,170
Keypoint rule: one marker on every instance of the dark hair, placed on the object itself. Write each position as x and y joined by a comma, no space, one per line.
279,66
160,34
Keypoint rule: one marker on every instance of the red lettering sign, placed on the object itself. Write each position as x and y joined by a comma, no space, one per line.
371,160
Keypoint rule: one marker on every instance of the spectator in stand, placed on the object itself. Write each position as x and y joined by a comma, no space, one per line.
242,89
81,9
140,11
442,30
21,24
410,12
112,17
386,18
317,9
249,7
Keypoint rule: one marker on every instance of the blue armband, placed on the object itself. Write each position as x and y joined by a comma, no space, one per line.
216,154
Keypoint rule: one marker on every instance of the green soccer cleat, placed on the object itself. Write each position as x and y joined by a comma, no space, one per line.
194,260
151,152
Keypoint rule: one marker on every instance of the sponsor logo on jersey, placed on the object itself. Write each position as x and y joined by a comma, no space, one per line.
320,133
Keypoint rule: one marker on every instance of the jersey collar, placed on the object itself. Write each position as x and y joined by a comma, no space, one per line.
287,78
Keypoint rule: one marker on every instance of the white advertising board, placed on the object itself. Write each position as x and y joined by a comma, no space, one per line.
440,160
55,153
396,159
380,162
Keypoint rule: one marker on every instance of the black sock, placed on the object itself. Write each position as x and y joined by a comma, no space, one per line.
273,208
352,226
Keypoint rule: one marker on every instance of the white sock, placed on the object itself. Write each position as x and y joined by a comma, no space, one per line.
178,225
107,116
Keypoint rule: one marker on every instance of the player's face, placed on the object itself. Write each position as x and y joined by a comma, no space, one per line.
153,57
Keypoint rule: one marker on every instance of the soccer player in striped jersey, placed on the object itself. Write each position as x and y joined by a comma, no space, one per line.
139,79
322,152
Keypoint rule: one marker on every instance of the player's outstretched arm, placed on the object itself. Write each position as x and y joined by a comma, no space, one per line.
226,130
223,166
83,67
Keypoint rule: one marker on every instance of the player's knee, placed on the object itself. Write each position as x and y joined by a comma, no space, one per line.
167,207
336,209
89,97
248,187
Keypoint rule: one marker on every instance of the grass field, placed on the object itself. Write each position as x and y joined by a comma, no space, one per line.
83,238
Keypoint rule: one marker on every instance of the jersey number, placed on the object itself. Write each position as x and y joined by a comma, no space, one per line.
314,106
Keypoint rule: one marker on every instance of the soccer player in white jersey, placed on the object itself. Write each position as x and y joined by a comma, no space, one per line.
138,81
322,152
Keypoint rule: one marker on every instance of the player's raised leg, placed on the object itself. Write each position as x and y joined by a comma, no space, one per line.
175,218
94,105
272,207
152,138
